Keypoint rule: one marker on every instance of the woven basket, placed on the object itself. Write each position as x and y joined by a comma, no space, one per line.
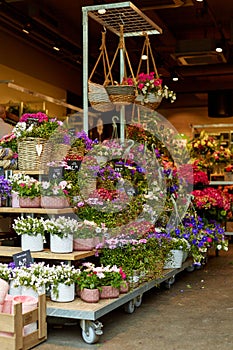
151,101
98,98
121,94
32,153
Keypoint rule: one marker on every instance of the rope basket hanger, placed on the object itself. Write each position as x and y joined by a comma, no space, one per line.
97,94
123,93
151,100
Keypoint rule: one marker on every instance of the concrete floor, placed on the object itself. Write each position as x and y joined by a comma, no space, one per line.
195,313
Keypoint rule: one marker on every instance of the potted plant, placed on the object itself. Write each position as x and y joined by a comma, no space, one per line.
61,233
54,193
175,257
111,279
88,235
16,179
29,190
32,280
150,90
62,280
5,189
88,283
32,231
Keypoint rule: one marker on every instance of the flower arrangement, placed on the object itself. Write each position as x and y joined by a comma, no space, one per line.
29,225
203,145
93,277
35,276
63,273
61,226
150,84
89,229
35,125
55,188
212,203
28,187
17,179
5,188
9,141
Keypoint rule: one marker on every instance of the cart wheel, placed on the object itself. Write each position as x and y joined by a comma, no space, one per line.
169,282
90,337
138,300
129,307
190,268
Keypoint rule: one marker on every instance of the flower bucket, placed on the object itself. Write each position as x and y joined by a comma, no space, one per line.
55,202
15,200
175,259
61,245
65,293
90,295
33,243
29,291
14,289
28,304
27,202
84,243
109,292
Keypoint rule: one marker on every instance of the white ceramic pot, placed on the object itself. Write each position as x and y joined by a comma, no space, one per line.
174,260
65,293
32,243
61,245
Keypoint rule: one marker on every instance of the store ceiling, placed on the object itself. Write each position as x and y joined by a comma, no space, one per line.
190,31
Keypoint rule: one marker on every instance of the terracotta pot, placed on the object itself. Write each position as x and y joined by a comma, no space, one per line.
124,287
55,202
109,292
90,295
84,243
26,202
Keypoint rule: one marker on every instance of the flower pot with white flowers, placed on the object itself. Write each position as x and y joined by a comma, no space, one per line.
32,231
62,282
61,233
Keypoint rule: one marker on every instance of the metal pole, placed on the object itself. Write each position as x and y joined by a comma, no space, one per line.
122,108
85,70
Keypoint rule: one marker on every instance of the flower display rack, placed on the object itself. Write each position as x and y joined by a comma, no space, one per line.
14,323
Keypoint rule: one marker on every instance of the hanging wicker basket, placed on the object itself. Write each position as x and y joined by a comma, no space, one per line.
98,97
33,153
151,101
121,94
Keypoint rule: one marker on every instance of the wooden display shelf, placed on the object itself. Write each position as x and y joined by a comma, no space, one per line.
10,210
6,251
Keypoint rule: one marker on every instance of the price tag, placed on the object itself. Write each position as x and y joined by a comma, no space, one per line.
23,258
74,164
56,172
118,167
72,131
31,121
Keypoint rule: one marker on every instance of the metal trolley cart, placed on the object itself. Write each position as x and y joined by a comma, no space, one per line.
88,314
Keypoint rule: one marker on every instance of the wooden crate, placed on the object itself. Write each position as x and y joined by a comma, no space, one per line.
14,323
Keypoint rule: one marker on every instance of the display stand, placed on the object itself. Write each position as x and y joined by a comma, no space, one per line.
88,314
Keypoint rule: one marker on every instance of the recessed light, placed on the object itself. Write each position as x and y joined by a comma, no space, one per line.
101,11
56,48
144,57
218,49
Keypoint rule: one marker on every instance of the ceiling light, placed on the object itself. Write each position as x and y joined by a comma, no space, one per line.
56,48
218,49
199,0
144,57
25,31
101,11
175,77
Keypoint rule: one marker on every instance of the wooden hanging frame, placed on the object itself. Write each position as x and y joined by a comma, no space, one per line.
97,94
